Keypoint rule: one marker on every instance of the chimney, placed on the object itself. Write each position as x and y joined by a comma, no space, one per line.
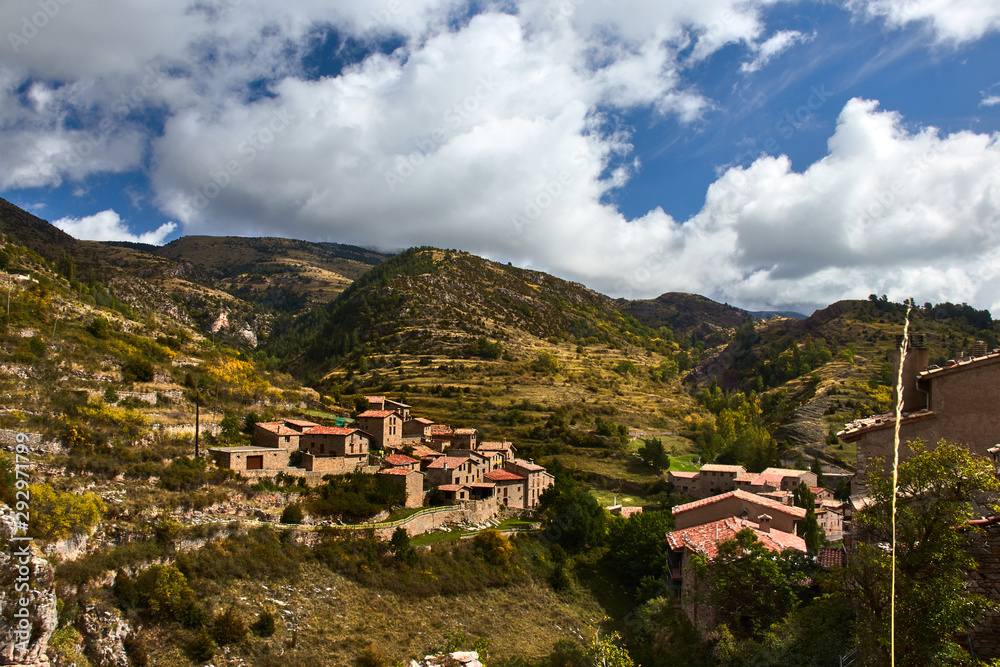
764,520
917,358
979,349
445,465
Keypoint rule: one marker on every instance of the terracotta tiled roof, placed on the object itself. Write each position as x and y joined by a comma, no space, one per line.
496,446
855,429
375,399
424,451
717,467
421,420
483,485
797,512
278,428
785,472
465,431
630,511
955,365
452,462
452,487
704,539
764,479
397,471
527,465
302,423
747,477
831,556
440,428
331,430
684,474
503,476
400,460
376,414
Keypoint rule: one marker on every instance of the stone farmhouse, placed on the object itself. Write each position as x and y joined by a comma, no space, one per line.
703,540
385,425
957,402
738,504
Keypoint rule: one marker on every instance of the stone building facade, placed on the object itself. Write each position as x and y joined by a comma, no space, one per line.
959,402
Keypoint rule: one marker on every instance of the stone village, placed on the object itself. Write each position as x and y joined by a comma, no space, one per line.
416,453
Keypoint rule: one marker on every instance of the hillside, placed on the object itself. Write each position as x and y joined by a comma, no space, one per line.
685,313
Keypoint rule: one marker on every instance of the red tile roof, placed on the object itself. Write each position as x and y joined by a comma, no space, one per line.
683,474
954,365
747,477
503,476
704,539
300,422
452,487
375,414
452,462
857,428
764,479
504,446
717,467
440,428
831,557
785,472
627,512
279,428
757,499
421,420
527,465
332,430
397,471
465,431
400,460
424,451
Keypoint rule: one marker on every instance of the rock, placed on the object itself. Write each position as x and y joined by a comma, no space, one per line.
27,617
104,632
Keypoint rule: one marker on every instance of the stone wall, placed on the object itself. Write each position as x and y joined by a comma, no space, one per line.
986,581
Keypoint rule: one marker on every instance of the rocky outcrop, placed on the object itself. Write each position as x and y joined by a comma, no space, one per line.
104,633
28,614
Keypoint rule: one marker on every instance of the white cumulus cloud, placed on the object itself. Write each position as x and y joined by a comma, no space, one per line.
952,21
108,226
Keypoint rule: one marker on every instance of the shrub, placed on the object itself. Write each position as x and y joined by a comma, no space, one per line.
264,626
56,514
99,327
201,648
137,369
228,628
292,514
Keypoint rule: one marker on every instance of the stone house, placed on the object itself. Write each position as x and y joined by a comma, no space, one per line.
703,540
283,435
537,479
718,478
739,504
334,449
790,479
685,482
510,488
957,402
244,459
504,448
831,520
451,470
418,428
402,461
385,425
381,403
464,438
412,482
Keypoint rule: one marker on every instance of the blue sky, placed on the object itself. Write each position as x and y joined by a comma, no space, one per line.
763,153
